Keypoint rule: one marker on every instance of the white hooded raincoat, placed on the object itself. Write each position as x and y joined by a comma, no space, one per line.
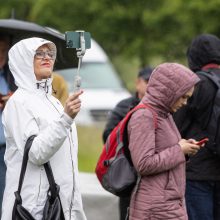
33,110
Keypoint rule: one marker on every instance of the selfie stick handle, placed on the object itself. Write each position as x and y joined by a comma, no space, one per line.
80,53
77,79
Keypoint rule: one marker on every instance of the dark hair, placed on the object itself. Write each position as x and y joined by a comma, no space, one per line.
5,38
145,73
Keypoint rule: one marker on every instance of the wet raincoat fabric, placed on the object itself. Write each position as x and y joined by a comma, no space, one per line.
32,110
156,154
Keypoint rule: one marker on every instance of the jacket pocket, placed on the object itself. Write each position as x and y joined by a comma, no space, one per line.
172,190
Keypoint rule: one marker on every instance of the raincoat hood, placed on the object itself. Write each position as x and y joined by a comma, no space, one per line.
21,62
168,82
204,49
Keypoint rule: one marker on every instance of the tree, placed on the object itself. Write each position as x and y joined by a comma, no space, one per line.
143,28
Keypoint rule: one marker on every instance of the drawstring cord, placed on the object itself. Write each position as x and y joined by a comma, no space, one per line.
45,87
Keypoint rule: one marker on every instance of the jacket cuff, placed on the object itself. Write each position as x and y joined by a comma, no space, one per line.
67,119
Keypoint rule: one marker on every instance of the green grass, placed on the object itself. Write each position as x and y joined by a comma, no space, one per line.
90,147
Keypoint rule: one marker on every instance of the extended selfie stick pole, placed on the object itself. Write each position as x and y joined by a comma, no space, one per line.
80,53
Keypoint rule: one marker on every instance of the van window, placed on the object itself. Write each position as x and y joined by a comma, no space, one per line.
94,76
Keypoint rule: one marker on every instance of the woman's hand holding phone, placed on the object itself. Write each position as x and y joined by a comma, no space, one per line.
73,104
189,147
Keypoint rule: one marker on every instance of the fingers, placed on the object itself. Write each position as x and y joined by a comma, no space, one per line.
75,95
192,141
194,149
189,148
73,104
5,98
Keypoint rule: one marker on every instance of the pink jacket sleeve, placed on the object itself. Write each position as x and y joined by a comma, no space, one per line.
146,159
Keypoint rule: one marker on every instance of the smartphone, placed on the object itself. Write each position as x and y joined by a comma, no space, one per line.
201,142
73,39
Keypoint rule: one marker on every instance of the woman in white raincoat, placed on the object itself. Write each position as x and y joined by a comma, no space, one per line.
32,110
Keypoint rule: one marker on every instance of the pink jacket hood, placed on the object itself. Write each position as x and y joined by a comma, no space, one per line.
168,82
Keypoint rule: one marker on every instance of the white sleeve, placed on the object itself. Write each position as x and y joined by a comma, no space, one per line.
20,124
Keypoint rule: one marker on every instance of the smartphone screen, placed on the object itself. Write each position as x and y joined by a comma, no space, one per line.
73,39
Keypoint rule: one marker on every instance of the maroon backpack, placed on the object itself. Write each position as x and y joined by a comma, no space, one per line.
114,168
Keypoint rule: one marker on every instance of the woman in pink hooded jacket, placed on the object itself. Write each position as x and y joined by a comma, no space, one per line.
157,150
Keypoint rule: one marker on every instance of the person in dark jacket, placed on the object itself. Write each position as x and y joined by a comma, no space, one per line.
203,169
7,85
121,109
119,112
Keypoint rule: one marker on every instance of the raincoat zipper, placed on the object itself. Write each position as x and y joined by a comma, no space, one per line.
71,143
39,185
72,197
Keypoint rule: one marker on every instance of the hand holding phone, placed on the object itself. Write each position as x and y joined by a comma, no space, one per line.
203,141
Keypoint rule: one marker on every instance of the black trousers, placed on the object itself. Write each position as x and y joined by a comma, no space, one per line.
123,206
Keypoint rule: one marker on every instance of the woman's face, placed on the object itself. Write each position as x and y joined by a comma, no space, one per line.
141,87
43,62
182,100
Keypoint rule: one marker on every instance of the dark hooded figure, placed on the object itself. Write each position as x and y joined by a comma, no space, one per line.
195,120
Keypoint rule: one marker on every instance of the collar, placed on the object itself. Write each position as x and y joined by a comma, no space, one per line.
45,84
210,66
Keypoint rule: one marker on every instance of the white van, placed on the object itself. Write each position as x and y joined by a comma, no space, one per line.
103,88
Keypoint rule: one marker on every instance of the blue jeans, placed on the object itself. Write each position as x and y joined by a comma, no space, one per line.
2,176
203,200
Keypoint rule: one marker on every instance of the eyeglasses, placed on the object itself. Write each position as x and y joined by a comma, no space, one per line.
40,54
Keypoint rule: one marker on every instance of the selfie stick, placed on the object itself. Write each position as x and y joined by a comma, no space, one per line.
80,53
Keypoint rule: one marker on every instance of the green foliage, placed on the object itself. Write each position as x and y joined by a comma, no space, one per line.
142,30
19,9
128,69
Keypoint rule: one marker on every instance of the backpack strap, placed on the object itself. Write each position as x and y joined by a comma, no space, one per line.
216,107
213,124
212,77
124,123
